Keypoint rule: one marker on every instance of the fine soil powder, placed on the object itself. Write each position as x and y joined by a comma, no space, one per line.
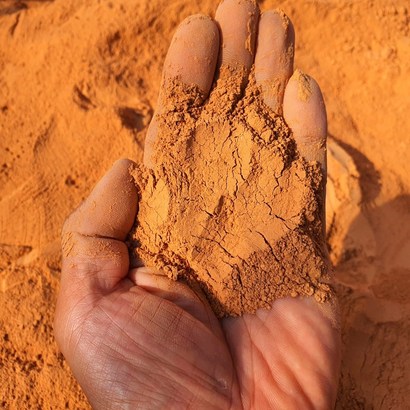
229,203
79,82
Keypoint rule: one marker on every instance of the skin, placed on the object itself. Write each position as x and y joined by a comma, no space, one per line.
135,339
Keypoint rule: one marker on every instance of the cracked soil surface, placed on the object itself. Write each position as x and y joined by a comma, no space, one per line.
230,203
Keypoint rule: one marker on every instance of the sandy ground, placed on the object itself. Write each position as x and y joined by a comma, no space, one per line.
78,86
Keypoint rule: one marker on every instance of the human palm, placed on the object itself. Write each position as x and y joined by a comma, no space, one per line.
134,338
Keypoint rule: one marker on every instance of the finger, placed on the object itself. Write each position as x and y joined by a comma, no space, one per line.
274,57
193,53
305,113
94,252
191,58
189,298
238,20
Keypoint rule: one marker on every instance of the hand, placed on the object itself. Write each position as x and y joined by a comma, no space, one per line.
134,338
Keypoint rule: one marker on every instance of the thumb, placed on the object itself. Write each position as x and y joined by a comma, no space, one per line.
95,257
94,253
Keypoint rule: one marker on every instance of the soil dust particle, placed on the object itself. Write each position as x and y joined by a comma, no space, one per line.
284,18
249,42
230,204
304,86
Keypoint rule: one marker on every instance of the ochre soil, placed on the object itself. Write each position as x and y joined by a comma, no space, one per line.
78,86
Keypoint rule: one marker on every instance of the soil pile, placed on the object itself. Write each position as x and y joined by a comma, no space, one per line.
230,203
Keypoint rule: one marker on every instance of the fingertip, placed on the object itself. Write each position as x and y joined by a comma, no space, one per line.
276,40
109,211
238,20
193,52
123,163
280,30
122,171
305,113
278,15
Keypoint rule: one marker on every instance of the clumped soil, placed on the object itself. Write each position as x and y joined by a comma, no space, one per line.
231,204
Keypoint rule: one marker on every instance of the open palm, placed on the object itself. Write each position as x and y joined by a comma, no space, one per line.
134,338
